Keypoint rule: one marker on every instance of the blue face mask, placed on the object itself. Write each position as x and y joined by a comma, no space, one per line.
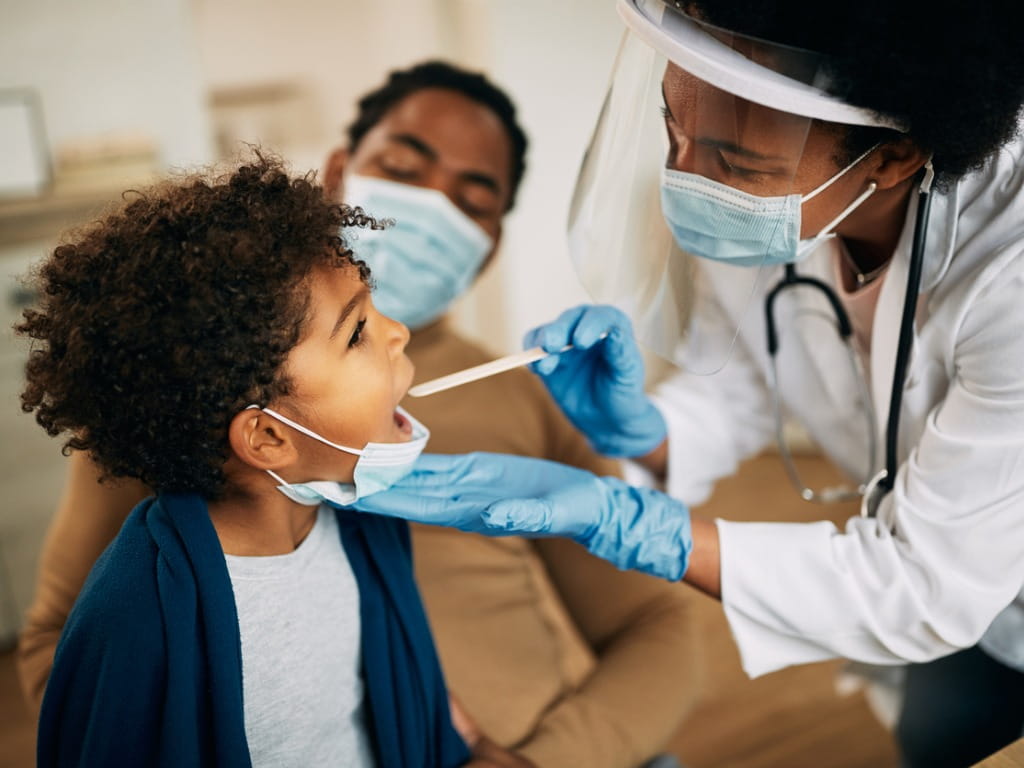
715,221
379,466
427,259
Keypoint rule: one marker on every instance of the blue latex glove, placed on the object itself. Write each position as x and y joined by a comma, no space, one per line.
633,528
599,383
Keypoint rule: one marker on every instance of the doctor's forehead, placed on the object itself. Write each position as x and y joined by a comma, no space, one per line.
710,113
457,132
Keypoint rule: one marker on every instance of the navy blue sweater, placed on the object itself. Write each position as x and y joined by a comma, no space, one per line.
148,671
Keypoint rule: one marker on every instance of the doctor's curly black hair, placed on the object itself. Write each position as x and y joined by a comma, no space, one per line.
159,322
952,71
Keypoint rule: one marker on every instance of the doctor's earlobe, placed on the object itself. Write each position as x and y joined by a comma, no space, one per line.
898,161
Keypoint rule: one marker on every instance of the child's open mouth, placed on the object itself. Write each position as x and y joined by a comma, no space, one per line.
403,424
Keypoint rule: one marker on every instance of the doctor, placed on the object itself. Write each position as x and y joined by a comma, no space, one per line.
817,212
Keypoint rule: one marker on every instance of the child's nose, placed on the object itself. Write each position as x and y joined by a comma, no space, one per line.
398,335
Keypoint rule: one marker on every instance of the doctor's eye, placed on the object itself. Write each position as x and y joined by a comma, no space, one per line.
357,334
736,170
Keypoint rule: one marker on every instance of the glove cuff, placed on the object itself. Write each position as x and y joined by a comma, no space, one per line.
641,435
642,530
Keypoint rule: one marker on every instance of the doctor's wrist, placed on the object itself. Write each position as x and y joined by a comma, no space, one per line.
626,435
656,462
640,529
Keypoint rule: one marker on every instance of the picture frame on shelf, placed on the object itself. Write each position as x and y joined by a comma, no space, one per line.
25,166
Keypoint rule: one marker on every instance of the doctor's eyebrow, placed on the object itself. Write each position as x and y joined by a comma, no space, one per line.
354,302
735,149
725,146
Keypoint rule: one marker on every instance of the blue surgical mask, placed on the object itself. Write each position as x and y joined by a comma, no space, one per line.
715,221
427,259
379,466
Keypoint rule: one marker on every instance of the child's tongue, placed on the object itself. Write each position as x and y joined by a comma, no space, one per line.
403,424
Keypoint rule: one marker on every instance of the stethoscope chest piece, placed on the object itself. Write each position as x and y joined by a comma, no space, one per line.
874,492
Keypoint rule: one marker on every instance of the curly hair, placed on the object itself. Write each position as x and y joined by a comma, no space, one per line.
952,72
160,322
374,105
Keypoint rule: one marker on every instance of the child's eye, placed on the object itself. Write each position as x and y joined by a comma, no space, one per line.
357,334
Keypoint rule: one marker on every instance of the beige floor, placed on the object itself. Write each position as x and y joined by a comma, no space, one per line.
789,719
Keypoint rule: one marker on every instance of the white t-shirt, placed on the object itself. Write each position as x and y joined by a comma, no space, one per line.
298,616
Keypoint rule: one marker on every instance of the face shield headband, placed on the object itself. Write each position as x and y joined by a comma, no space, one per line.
784,78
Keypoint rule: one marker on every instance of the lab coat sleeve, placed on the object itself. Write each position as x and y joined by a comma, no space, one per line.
945,554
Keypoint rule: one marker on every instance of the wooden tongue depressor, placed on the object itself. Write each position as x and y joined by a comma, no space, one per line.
478,372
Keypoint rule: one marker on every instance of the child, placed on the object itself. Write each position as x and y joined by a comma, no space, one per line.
216,340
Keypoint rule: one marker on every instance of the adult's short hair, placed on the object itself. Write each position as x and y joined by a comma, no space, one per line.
373,106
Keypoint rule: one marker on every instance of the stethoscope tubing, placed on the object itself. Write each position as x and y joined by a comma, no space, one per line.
883,482
906,338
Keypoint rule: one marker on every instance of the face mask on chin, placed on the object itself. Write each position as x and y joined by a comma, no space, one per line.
426,260
379,466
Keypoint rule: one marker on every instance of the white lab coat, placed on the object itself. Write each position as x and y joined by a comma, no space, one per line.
942,566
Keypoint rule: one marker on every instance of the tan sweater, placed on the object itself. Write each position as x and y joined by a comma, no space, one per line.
549,649
552,650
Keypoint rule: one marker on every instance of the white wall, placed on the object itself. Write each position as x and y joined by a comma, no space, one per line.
101,68
110,66
334,49
555,58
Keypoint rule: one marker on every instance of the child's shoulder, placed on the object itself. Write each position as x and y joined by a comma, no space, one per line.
153,568
120,596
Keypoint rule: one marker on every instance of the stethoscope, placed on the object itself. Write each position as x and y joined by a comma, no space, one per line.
873,490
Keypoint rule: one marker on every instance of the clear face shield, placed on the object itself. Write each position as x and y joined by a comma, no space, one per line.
693,183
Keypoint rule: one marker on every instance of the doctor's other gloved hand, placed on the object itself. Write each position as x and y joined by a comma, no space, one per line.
599,383
636,529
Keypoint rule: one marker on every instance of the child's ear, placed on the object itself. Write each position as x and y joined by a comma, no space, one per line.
261,441
333,172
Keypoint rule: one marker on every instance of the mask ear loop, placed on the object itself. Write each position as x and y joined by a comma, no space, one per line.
305,430
308,432
826,231
280,480
857,202
872,186
814,192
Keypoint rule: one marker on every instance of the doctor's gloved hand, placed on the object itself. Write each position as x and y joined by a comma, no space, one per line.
633,528
599,383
